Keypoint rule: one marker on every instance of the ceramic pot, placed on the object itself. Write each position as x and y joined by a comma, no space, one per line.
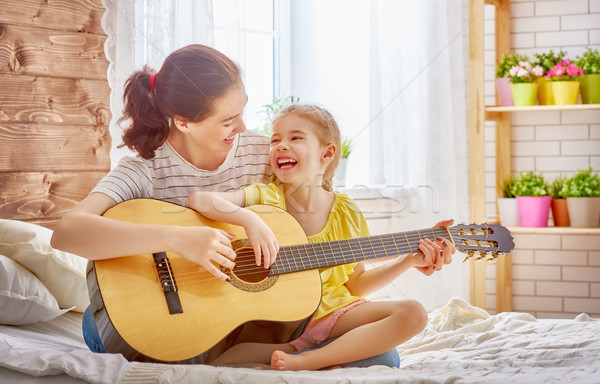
508,212
590,89
504,93
534,210
565,92
560,213
584,212
524,94
545,95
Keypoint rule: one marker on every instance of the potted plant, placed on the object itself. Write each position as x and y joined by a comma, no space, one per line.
523,83
508,61
589,62
582,191
533,199
565,82
560,211
507,205
547,61
340,172
270,110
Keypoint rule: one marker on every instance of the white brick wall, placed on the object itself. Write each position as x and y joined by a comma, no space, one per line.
555,275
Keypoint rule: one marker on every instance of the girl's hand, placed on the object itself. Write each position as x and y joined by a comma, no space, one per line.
437,253
263,240
203,246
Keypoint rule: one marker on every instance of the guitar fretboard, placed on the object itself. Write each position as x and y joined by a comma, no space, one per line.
302,257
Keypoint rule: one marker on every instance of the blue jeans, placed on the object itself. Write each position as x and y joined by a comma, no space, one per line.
94,343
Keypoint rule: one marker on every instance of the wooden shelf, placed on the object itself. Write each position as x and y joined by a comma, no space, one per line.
554,230
497,113
572,107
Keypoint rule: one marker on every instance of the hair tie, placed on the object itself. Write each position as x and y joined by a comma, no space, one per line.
152,77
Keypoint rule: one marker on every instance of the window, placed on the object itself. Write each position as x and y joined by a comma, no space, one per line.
255,34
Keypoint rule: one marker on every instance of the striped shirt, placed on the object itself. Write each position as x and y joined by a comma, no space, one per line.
169,177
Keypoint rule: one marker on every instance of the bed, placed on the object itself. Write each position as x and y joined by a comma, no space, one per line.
43,292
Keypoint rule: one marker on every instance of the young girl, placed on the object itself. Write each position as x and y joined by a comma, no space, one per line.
304,154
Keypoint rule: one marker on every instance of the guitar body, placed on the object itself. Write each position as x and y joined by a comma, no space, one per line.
133,316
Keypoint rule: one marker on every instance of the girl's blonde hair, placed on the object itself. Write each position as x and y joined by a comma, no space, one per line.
328,132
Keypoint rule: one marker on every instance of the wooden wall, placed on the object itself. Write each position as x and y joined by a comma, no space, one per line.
54,106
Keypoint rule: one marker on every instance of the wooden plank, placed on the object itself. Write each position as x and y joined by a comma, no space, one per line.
45,147
503,158
40,51
43,196
50,99
77,16
476,126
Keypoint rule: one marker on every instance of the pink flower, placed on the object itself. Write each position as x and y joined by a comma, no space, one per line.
513,70
572,70
559,71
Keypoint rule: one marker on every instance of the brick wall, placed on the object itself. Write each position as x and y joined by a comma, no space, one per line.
556,273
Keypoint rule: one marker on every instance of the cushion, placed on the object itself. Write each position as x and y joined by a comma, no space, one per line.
23,297
61,272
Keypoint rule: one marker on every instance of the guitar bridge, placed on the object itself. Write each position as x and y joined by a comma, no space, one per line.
167,281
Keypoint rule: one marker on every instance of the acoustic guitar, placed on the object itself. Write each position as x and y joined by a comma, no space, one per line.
163,308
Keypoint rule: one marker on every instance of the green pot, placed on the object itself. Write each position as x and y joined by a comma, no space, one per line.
524,94
590,89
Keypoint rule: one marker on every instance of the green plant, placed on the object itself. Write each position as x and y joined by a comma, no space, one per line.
556,187
530,184
346,147
584,183
589,61
269,111
507,188
508,61
548,60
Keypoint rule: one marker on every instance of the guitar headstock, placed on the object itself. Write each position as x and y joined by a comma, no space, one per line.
482,241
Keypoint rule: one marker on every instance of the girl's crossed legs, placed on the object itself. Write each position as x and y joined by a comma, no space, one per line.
364,331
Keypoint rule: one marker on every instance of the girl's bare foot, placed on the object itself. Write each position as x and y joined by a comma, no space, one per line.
281,361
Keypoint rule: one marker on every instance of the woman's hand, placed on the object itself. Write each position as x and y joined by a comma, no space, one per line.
262,238
203,245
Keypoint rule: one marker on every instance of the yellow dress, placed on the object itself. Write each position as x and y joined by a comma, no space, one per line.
345,222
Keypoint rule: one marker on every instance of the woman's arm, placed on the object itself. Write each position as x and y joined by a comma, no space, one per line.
226,207
85,232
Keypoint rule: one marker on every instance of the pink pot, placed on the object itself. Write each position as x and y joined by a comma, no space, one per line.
534,210
505,97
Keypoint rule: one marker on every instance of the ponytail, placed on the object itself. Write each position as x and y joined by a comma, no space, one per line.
188,83
149,127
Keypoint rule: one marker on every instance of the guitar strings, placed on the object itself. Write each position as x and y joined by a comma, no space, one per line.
250,268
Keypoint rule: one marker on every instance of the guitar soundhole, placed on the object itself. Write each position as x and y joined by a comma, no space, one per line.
246,268
247,275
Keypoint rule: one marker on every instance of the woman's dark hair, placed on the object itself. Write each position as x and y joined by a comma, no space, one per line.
186,85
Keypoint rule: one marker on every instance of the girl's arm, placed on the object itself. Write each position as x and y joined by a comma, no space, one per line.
85,232
226,207
363,282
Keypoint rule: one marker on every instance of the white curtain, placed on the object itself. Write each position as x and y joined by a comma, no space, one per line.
420,105
144,32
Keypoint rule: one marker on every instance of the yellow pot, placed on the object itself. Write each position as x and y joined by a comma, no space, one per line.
545,95
565,92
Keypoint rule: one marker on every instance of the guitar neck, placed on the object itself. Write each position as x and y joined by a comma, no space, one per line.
328,254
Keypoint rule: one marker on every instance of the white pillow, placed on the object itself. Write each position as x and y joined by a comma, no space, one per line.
61,272
23,298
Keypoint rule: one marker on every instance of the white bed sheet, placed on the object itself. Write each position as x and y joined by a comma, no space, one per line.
461,344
